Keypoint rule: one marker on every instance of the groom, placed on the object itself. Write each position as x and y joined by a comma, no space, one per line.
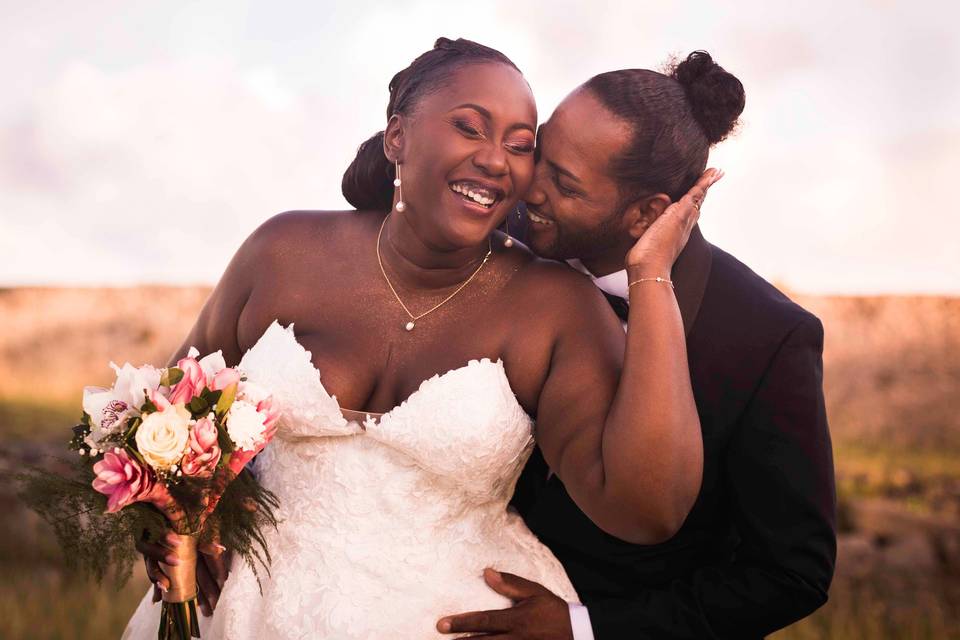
757,551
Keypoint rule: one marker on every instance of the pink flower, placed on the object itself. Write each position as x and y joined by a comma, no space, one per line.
158,399
191,384
224,378
271,412
203,454
122,479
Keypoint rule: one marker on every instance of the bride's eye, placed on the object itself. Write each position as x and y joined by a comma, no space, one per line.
466,128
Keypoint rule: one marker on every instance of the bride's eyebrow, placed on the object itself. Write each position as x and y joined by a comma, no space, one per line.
486,114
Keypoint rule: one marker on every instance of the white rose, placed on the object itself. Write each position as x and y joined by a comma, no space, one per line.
245,425
163,435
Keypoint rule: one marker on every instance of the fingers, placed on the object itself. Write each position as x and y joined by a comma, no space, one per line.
160,550
497,621
209,590
512,586
156,574
218,567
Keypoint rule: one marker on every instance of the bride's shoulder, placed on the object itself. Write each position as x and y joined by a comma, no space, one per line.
293,232
565,289
538,272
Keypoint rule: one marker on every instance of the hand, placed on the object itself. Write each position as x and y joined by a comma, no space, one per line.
537,613
213,566
657,249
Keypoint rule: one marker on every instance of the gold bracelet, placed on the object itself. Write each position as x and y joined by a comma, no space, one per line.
657,279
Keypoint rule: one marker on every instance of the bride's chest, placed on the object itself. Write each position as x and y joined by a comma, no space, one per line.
464,421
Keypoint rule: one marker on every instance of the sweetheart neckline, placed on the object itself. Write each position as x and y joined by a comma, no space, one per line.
288,330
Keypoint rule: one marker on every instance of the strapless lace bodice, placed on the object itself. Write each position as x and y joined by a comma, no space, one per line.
385,526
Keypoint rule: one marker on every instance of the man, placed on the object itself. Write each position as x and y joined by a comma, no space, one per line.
757,550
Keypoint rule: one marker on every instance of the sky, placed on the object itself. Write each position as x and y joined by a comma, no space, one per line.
141,142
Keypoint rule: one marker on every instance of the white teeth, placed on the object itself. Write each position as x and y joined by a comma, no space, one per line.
535,218
473,195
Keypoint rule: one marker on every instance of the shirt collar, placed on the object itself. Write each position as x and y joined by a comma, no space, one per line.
614,284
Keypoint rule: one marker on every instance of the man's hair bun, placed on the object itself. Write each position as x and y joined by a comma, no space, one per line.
716,97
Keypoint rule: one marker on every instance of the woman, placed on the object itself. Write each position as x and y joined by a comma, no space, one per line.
414,317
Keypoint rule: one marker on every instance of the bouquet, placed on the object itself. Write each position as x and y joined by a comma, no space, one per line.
163,449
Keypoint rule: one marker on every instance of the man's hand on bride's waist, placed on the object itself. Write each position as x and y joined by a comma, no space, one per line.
537,613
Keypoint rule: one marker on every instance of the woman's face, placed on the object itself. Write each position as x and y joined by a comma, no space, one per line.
474,135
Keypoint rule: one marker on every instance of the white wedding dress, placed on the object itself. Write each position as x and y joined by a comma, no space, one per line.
384,530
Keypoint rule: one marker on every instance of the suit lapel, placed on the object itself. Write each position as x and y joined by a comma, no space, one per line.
690,274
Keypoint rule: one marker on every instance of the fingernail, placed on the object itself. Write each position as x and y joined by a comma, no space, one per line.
444,625
162,587
172,561
220,547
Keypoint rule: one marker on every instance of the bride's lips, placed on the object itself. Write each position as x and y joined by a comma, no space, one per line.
477,196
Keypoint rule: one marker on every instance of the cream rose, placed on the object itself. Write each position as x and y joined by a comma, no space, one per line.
163,436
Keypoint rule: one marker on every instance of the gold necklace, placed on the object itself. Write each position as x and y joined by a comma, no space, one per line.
413,319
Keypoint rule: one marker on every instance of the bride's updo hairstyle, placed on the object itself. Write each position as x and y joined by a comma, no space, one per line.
368,181
676,118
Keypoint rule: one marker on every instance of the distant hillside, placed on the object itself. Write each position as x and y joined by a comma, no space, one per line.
892,364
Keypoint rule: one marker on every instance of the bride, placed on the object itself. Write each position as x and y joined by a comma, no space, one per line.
410,352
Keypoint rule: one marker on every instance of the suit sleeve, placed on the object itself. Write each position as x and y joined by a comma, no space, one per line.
779,475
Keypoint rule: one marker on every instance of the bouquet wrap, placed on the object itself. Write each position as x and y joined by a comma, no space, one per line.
183,576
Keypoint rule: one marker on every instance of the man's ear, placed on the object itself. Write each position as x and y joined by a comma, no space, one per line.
393,138
643,212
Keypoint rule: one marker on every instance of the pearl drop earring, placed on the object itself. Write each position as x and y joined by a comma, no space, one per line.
397,182
508,242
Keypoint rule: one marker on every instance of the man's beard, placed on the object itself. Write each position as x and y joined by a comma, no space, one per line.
582,244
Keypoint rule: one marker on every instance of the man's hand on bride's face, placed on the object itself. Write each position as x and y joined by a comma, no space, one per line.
657,249
536,614
212,569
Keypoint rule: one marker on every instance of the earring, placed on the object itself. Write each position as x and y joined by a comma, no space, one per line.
397,182
509,241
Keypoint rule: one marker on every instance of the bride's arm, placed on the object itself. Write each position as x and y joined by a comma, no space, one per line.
634,462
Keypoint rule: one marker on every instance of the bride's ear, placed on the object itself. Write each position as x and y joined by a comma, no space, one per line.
644,212
393,138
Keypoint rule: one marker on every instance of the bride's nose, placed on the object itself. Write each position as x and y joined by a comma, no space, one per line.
492,160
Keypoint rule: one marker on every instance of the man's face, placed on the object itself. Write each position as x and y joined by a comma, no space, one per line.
574,204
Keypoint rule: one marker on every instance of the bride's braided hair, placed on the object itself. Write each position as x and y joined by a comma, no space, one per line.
368,181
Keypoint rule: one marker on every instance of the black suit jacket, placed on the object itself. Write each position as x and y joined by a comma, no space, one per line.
757,551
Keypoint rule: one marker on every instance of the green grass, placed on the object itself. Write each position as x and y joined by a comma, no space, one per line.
40,601
38,420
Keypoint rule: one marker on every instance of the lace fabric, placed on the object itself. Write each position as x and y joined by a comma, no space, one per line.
385,527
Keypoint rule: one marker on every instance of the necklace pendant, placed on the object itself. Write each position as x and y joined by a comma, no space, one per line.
409,326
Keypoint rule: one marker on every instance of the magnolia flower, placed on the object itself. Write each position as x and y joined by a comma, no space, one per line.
162,436
122,479
203,454
110,408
